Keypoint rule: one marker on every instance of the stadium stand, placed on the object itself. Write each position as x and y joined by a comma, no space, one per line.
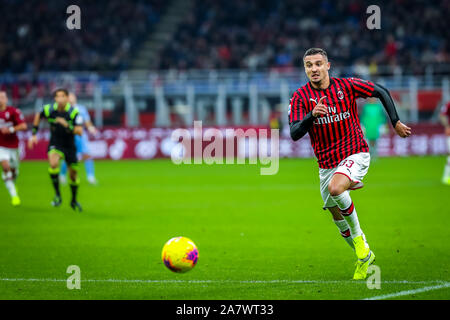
255,34
33,39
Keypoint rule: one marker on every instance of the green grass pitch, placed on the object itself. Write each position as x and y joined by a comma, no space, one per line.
259,237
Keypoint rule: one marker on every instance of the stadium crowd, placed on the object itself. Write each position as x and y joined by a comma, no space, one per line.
34,36
222,34
257,34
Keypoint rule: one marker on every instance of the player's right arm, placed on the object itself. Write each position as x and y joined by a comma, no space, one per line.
33,140
18,123
299,120
91,128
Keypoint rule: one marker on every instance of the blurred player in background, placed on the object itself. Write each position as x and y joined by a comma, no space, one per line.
373,121
326,109
11,121
82,144
65,122
445,120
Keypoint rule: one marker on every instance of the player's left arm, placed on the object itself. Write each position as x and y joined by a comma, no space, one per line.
365,89
74,126
13,129
383,94
20,127
75,129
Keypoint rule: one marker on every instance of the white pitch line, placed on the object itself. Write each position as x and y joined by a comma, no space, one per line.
409,292
222,281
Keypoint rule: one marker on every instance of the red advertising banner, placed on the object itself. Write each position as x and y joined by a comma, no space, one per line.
139,143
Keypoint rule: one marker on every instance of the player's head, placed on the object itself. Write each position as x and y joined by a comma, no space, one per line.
61,96
3,99
315,61
72,98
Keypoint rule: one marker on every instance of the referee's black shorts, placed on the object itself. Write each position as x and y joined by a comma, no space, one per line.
68,154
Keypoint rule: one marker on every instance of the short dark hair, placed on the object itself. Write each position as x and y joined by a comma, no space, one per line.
66,92
313,51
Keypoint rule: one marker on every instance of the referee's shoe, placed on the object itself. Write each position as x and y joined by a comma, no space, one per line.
76,206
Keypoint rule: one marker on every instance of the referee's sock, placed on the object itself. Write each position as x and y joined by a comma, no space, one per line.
74,188
54,175
345,203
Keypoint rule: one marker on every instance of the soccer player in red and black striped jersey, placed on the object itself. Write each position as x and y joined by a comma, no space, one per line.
326,109
11,121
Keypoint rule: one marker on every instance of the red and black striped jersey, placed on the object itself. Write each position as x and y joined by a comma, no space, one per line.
338,134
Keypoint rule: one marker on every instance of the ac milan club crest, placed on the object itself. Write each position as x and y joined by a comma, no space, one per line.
340,94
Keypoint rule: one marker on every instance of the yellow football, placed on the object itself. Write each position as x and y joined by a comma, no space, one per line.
180,254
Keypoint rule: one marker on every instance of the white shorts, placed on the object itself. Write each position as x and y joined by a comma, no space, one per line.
10,155
354,167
